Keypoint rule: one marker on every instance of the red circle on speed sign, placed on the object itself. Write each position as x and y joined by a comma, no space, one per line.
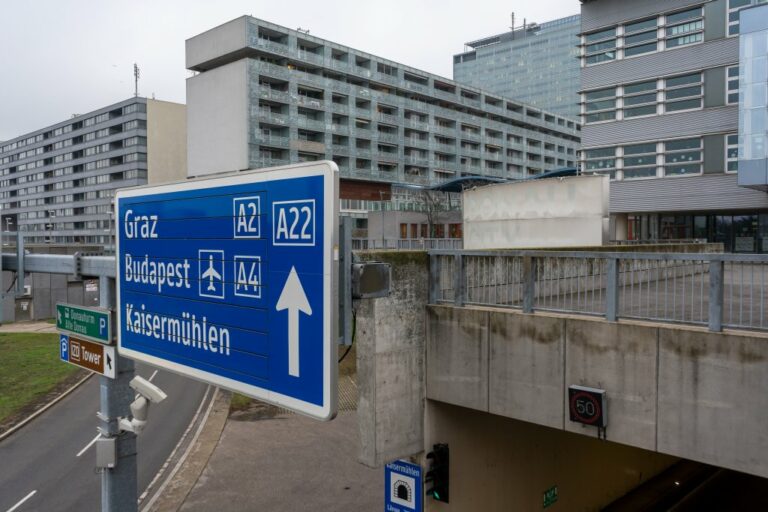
589,412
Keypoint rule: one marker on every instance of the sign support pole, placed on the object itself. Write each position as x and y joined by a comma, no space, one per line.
119,485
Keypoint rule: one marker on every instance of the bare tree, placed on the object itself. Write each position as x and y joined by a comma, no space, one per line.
435,205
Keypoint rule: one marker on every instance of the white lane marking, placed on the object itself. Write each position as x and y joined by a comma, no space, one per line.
186,453
152,376
88,445
25,498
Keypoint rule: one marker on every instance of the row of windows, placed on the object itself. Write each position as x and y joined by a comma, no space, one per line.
94,150
679,157
651,97
668,30
84,182
77,125
62,199
80,139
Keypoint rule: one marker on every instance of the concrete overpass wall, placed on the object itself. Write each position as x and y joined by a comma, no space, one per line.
676,390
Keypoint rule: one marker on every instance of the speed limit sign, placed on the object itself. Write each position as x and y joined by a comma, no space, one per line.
587,406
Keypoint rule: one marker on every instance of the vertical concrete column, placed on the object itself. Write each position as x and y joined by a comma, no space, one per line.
391,340
620,230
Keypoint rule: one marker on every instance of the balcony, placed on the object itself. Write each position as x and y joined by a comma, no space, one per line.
419,125
340,149
271,46
387,118
272,140
340,128
271,94
338,108
311,102
421,161
311,57
471,136
387,137
304,122
261,162
266,116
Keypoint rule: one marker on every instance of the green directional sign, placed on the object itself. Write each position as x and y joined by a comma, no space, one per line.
90,323
550,496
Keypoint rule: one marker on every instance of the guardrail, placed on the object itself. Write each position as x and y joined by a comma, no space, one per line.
716,290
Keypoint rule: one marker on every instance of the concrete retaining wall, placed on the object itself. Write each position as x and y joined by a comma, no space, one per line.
677,390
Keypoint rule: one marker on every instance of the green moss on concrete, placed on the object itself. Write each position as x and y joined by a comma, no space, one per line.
396,258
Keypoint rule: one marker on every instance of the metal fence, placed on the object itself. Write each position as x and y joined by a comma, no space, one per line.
404,244
716,290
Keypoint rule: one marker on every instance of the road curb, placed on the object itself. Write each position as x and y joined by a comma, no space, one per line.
47,406
174,491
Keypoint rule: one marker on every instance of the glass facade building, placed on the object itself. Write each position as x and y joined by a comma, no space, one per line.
537,64
753,99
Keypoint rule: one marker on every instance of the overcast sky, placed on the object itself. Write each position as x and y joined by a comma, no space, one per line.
61,57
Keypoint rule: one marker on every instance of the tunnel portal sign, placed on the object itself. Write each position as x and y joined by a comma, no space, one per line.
587,406
230,280
402,487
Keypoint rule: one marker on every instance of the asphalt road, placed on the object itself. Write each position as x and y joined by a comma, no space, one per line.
49,466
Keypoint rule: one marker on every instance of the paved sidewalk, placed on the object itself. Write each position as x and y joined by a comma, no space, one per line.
28,327
287,463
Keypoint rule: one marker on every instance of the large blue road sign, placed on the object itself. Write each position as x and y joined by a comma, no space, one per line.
232,280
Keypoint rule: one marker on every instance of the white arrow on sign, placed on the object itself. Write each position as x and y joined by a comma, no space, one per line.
294,300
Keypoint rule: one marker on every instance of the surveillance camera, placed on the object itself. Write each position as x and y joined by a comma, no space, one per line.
148,390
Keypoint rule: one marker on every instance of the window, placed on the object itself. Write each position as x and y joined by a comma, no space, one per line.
601,160
600,46
640,37
640,99
600,105
732,82
731,153
640,161
682,157
734,6
683,28
683,92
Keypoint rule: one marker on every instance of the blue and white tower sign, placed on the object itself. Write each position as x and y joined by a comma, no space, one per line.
232,280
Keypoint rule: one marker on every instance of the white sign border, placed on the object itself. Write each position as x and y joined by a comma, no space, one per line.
330,173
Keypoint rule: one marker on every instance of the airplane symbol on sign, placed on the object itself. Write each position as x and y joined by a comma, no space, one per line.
211,274
211,282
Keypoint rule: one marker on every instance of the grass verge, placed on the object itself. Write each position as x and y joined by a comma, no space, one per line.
29,369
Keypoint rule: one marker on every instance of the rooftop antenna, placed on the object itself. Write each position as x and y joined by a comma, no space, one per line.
136,75
512,26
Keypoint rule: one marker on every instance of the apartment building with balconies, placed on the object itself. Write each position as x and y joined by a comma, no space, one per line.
660,93
265,95
57,183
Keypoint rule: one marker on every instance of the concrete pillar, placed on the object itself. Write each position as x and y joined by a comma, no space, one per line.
620,230
390,361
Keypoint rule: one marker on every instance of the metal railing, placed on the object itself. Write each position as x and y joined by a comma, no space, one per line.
716,290
416,244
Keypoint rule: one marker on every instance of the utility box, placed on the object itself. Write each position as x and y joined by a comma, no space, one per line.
24,309
106,453
371,280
